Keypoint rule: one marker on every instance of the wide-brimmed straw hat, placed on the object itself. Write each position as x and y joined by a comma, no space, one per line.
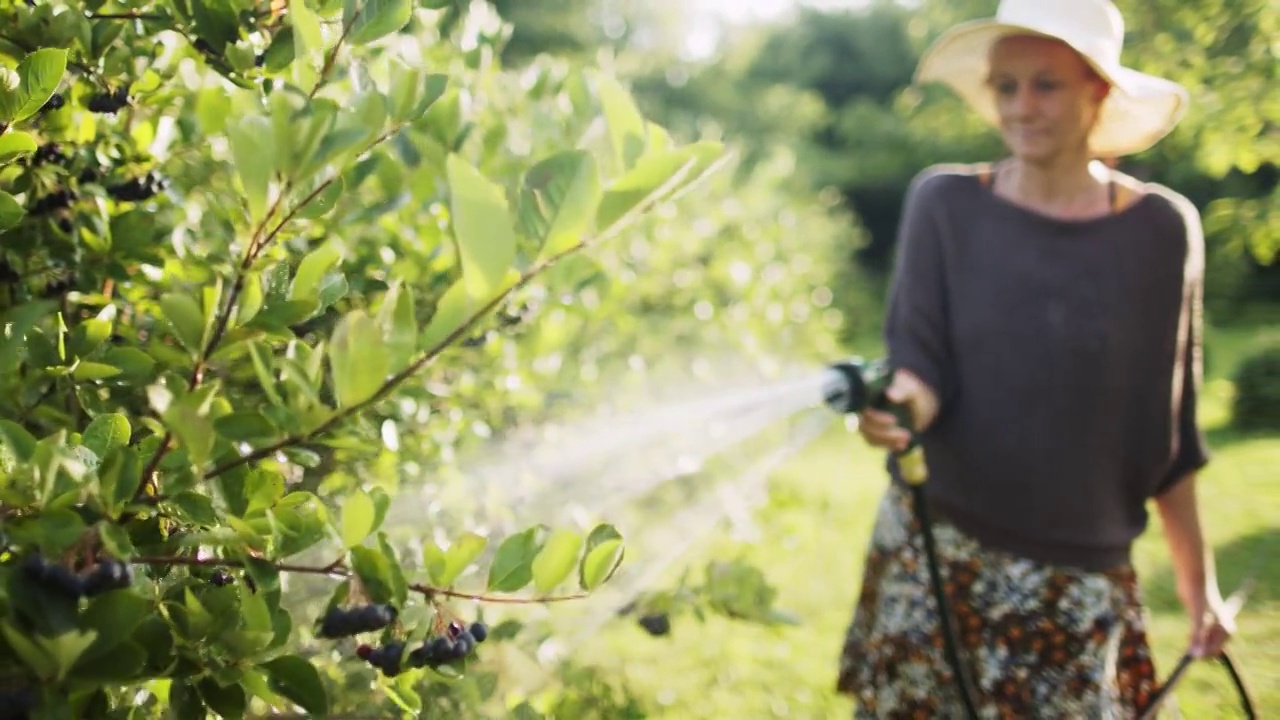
1140,109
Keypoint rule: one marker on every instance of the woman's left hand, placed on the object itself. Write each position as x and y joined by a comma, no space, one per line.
1211,627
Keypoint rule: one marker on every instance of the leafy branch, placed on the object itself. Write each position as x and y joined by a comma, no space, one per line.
259,241
392,383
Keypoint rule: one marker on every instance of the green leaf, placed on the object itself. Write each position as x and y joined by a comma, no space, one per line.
255,161
374,570
86,371
183,312
194,430
297,679
16,437
603,555
195,508
132,362
482,229
466,548
113,616
358,361
106,433
306,283
249,426
229,701
559,200
556,560
118,478
377,18
655,176
411,93
626,124
40,73
31,654
600,564
14,144
306,28
512,566
357,518
11,212
399,324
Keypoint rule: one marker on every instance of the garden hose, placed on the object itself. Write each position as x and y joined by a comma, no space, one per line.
853,386
1246,699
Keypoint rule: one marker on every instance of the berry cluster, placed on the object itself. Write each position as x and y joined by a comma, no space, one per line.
106,575
656,624
340,622
111,102
459,642
139,188
221,578
55,200
50,152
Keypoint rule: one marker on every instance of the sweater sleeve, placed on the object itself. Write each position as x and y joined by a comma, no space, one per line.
916,323
1192,451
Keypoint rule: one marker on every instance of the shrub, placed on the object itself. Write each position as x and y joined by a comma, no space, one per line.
1257,380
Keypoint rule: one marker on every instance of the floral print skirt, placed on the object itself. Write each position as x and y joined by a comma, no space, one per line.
1039,641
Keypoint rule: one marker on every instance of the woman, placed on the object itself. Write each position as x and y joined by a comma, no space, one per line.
1045,320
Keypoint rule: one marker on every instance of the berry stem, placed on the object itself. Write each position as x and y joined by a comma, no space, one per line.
432,592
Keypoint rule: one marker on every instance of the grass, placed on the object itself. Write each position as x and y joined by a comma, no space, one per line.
815,530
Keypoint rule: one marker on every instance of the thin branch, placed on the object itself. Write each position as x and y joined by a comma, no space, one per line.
135,15
333,54
335,570
431,593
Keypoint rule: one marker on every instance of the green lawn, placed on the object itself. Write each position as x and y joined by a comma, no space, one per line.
816,527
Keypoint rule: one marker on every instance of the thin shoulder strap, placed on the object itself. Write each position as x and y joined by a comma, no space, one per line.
986,174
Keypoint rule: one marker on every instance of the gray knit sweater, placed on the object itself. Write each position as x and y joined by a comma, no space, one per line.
1066,355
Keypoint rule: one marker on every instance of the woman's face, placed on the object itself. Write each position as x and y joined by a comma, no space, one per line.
1046,96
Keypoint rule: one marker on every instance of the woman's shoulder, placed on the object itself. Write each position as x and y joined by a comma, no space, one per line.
1168,209
1161,199
941,181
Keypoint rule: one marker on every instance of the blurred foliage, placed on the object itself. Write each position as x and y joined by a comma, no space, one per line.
1256,406
834,87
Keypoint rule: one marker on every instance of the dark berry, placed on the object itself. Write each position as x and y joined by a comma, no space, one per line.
65,581
363,652
479,631
456,628
108,575
35,567
221,578
55,200
54,102
657,624
65,225
388,658
335,624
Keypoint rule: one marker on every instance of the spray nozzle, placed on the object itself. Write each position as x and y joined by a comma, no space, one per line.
853,384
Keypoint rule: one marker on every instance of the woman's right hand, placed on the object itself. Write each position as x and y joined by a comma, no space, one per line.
881,428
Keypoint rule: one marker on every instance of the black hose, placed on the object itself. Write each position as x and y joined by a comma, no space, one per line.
1246,701
950,641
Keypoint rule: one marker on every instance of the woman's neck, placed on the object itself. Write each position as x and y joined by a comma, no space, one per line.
1069,188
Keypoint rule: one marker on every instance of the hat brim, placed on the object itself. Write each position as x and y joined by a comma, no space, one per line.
1139,111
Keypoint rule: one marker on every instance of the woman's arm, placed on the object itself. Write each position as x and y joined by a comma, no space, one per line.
1193,567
